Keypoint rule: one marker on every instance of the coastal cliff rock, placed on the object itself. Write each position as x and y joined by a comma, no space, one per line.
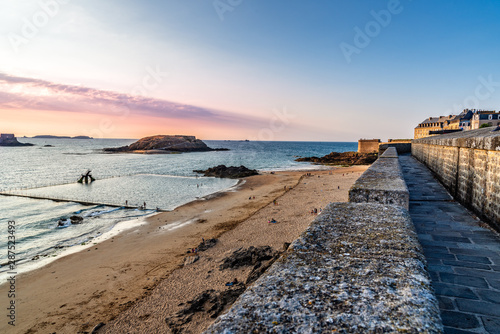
228,172
165,144
345,158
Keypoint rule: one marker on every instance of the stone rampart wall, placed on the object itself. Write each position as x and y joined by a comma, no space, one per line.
400,147
468,164
382,183
358,268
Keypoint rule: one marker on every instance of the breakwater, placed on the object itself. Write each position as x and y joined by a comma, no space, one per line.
468,165
358,268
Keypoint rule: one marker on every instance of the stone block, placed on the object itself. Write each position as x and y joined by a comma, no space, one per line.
382,183
470,281
478,307
459,319
451,290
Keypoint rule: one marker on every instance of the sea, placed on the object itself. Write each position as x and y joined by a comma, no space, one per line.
42,228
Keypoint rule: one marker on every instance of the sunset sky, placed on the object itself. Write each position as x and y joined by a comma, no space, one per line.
324,70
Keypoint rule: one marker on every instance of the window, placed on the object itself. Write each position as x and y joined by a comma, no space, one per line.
490,117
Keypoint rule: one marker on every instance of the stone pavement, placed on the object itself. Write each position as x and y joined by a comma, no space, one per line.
463,257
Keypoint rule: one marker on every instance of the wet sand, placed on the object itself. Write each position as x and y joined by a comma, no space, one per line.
135,280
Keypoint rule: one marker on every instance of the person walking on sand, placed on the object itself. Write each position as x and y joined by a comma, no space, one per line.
144,205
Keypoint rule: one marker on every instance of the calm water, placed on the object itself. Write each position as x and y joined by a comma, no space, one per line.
162,181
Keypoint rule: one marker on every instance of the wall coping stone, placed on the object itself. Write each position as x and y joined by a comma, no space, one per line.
382,183
390,152
483,139
358,268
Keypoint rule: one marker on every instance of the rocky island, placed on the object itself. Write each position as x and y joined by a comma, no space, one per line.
11,140
165,144
230,172
344,158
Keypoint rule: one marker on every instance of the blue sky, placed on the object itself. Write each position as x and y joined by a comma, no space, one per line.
244,62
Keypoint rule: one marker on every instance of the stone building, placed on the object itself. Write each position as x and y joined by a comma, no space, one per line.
368,145
431,124
460,121
7,137
485,117
445,124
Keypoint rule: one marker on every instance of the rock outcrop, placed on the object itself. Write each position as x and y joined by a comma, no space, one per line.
249,257
345,158
76,220
228,172
165,144
11,140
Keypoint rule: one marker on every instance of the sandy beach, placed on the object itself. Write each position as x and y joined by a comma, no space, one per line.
136,280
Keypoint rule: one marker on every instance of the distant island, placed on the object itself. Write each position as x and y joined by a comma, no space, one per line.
164,144
8,139
62,137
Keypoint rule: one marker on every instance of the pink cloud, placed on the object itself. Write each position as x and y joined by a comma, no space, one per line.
36,94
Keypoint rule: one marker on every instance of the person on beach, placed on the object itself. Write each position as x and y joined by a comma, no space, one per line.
234,282
126,203
144,205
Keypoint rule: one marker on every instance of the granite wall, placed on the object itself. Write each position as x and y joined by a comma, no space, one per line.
382,183
400,147
468,164
358,268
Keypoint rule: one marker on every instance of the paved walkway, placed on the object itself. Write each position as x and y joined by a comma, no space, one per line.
463,257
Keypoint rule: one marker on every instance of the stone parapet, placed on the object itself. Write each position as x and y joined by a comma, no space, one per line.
358,268
382,183
400,147
468,165
481,139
